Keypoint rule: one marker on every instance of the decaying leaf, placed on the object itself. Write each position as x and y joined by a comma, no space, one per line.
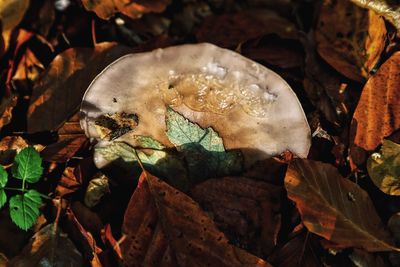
7,104
68,183
96,189
230,30
133,9
59,91
389,9
9,147
334,207
360,258
377,112
64,150
247,211
11,14
48,247
164,227
384,168
354,45
71,129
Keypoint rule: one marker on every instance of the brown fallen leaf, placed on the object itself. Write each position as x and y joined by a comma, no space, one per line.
7,104
354,45
9,147
302,249
247,211
361,258
11,14
230,30
134,9
389,9
377,112
48,247
164,227
64,150
68,182
58,93
334,207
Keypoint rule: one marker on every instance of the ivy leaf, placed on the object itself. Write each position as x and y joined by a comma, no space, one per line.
24,209
203,149
28,165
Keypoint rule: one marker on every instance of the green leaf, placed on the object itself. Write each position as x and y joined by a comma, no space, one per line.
203,149
28,165
3,198
384,168
181,131
3,177
24,209
153,156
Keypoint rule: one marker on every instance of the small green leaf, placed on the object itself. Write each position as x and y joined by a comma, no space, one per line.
384,168
28,165
24,209
3,198
181,131
203,149
3,177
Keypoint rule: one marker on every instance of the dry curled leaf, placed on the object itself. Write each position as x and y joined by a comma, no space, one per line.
377,112
334,207
134,9
164,227
389,9
11,14
247,211
59,91
384,168
49,247
230,30
354,45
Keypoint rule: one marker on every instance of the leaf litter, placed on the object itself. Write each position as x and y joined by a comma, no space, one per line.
196,203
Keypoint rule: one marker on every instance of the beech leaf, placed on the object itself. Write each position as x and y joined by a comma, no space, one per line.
165,227
246,210
334,207
384,168
376,114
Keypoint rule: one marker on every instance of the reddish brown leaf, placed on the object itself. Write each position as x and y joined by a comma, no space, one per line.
377,112
134,9
334,207
230,30
354,45
9,147
58,93
64,150
165,227
247,211
68,183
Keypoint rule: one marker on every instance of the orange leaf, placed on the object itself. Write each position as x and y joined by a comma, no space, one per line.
134,9
377,112
58,93
165,227
247,211
350,38
335,208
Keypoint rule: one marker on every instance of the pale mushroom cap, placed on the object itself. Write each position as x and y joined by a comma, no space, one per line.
251,107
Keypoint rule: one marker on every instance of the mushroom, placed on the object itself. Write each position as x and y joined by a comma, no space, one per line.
250,106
